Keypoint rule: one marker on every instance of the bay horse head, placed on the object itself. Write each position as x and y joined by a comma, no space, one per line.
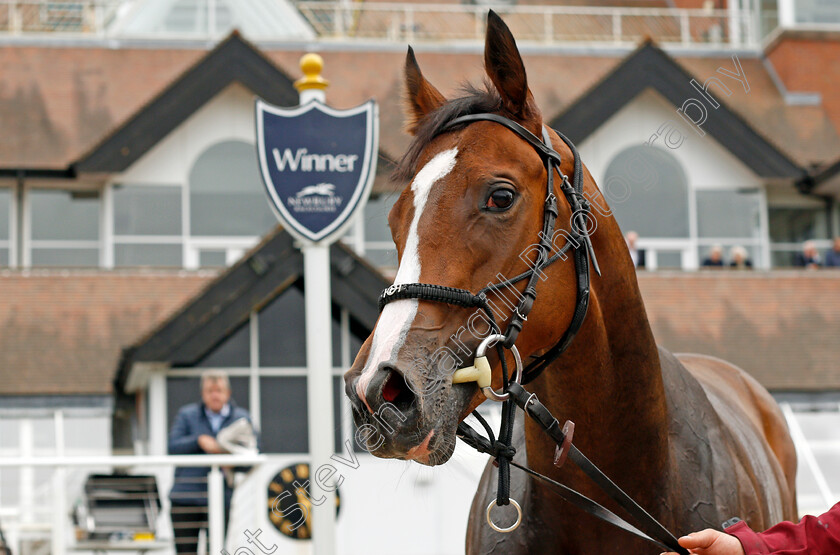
472,215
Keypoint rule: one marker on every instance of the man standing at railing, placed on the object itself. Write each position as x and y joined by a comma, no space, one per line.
194,433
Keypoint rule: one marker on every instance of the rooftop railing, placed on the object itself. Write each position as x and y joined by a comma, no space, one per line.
410,22
87,17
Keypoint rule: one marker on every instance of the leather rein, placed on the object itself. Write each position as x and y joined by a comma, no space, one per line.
514,394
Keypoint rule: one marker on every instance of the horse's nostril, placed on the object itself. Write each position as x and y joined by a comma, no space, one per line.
396,391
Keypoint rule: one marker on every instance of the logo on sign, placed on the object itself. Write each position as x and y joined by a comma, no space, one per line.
317,164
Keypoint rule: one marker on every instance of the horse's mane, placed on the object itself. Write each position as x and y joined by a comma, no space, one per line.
473,101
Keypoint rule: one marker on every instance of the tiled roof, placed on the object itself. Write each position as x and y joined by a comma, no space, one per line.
63,331
781,326
56,103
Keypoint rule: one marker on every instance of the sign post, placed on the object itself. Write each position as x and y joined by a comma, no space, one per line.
318,165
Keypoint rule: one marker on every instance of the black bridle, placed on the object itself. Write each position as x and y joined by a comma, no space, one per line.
577,239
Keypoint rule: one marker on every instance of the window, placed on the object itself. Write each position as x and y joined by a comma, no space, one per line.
648,193
728,214
147,225
379,247
64,228
283,332
5,226
227,196
790,226
817,11
284,406
183,391
233,352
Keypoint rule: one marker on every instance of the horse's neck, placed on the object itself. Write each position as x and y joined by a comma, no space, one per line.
609,384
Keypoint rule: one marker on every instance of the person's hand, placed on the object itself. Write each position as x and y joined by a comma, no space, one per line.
711,542
209,444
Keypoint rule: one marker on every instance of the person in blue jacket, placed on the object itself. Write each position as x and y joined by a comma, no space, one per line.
194,433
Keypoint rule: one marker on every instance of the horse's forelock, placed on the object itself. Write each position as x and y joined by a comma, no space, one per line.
473,101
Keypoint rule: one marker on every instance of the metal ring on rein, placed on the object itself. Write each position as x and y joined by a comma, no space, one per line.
510,528
489,341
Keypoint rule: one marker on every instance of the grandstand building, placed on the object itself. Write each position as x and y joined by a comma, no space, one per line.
137,246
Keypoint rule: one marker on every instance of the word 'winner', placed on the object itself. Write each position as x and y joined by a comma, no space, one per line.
301,161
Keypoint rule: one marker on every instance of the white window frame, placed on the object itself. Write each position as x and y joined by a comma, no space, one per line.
10,244
28,243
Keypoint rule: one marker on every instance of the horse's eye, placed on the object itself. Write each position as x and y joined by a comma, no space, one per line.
500,200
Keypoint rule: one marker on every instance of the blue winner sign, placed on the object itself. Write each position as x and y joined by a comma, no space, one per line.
317,164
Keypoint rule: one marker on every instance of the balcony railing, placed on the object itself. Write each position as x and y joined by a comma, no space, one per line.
58,16
404,22
57,527
415,22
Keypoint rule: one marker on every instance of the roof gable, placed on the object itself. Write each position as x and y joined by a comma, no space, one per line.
650,67
258,278
233,60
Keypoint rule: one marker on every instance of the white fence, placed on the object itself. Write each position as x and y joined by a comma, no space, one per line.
416,22
404,22
59,503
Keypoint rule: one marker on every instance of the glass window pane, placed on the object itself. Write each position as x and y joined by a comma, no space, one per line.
148,255
212,259
43,433
5,213
382,258
88,434
283,331
63,215
376,217
147,210
287,430
183,391
227,196
647,190
669,260
728,214
784,259
65,257
234,352
817,11
4,257
794,225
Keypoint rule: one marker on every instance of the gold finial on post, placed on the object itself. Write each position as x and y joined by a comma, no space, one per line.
311,65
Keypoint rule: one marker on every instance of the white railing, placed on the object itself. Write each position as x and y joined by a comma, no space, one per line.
416,22
808,465
404,22
59,503
61,17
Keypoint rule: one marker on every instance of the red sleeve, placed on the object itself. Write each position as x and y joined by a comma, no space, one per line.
812,536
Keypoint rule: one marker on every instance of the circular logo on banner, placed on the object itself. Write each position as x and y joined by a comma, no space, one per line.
290,501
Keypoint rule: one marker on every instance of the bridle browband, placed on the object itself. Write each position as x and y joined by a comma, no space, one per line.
515,395
577,239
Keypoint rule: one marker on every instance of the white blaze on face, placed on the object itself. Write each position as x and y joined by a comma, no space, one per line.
397,316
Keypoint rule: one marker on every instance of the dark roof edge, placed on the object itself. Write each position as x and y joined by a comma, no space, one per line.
651,67
38,173
233,60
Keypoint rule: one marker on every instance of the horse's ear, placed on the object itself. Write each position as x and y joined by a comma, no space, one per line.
505,68
421,97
